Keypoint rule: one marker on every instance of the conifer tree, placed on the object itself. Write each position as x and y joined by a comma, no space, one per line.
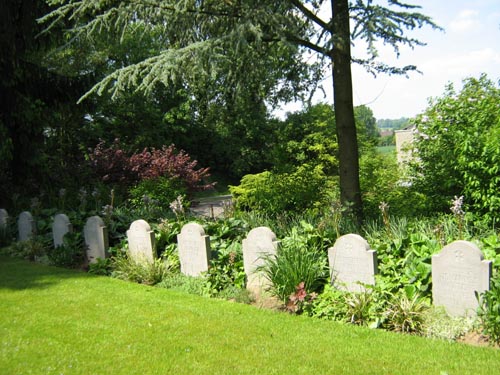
205,37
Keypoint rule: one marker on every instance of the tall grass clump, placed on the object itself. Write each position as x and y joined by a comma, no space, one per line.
299,260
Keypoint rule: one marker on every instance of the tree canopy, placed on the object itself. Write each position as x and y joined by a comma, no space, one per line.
231,44
457,149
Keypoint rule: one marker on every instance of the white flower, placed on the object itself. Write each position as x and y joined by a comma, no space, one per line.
457,204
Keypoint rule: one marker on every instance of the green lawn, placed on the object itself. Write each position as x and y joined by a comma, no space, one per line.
55,321
386,149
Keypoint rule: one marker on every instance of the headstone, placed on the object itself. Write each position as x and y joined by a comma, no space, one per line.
260,243
25,226
352,263
60,227
4,217
194,249
459,271
141,241
96,238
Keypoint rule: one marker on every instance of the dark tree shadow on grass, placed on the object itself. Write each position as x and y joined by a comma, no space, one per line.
18,274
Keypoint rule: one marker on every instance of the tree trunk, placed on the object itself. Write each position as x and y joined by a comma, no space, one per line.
350,191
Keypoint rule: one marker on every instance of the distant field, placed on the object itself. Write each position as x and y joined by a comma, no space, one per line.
386,149
55,321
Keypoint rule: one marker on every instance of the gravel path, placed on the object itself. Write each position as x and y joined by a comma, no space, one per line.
212,207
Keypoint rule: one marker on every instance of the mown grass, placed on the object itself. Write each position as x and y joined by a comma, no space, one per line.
55,321
386,149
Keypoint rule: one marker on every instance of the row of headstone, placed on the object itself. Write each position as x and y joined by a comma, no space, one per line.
95,232
458,271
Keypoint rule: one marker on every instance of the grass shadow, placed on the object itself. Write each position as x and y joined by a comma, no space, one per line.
18,274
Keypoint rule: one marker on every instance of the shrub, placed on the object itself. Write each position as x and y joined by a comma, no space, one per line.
71,254
226,271
438,324
156,194
149,273
406,312
273,193
358,308
383,180
457,149
296,261
101,267
31,249
113,165
151,164
489,311
329,305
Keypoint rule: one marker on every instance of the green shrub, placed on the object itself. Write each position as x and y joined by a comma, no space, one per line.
149,273
101,267
31,249
358,308
226,271
489,311
383,180
274,193
438,324
71,254
406,312
296,261
156,194
457,148
329,305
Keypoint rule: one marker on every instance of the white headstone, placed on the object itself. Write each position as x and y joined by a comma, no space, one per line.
96,238
194,249
260,243
4,217
141,241
25,226
352,263
459,271
60,227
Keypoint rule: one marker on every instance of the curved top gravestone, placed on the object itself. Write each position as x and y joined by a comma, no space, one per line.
458,272
352,263
4,216
260,243
141,241
96,238
194,249
60,227
26,226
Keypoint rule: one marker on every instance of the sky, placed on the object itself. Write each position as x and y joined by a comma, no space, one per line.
468,46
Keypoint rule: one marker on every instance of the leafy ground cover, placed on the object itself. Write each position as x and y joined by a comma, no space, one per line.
56,321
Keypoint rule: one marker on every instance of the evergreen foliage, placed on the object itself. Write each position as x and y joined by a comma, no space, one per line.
230,47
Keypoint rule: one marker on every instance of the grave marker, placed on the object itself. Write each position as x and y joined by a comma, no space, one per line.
96,238
352,262
458,271
194,249
260,243
4,218
60,227
141,241
25,226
